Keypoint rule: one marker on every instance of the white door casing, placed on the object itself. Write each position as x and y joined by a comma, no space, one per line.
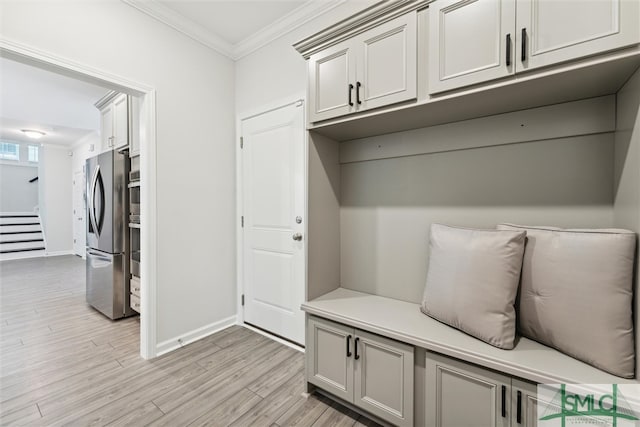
273,198
79,205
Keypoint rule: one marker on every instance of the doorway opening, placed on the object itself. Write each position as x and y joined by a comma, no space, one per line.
145,126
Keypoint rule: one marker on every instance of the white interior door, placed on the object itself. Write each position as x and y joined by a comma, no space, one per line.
273,191
79,236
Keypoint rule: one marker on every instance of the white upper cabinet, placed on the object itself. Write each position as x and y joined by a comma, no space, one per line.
386,67
474,41
114,121
552,31
332,75
470,41
370,70
121,121
106,127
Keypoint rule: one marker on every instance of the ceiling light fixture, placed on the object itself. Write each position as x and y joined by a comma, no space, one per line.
35,134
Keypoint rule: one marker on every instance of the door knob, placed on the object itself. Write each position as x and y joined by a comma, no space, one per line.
297,236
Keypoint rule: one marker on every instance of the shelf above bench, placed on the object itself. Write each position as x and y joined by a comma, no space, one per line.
403,321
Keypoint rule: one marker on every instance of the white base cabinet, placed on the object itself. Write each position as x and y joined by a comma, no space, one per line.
459,394
524,403
369,371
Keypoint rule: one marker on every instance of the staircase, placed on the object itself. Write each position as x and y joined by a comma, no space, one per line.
20,236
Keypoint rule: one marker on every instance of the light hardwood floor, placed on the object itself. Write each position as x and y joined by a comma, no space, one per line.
64,364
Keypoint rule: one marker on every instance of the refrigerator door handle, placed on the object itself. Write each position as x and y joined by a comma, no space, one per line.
92,210
98,255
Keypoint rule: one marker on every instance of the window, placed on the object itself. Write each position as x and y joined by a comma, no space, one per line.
33,153
9,151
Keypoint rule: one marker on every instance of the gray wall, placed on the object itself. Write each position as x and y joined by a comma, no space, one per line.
627,175
388,205
17,194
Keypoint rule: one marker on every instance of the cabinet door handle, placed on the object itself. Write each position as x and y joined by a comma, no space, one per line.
509,50
523,45
504,401
356,356
348,350
519,408
350,90
358,85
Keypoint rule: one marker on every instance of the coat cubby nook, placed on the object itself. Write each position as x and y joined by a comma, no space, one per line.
559,147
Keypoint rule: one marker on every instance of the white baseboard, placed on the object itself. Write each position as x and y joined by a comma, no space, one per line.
195,335
59,253
21,255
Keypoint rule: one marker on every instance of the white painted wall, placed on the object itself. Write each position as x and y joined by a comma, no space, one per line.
195,143
277,71
17,194
55,199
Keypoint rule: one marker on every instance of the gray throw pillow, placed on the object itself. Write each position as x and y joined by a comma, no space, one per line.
576,294
473,280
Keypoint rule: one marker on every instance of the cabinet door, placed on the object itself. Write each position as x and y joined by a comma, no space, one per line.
120,121
386,66
459,394
470,41
384,378
106,127
332,82
525,401
328,365
555,31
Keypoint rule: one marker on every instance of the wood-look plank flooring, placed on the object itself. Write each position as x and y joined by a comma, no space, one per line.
62,363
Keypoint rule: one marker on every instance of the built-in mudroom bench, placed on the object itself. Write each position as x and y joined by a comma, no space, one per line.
419,361
406,129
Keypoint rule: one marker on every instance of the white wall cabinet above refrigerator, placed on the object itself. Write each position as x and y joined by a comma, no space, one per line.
472,42
114,121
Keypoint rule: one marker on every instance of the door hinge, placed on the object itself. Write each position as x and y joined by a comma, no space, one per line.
242,221
242,300
241,142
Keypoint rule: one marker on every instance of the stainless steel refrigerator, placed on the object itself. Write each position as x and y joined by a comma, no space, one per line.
108,234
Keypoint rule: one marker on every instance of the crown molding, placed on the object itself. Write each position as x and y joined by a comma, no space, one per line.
377,14
186,26
289,22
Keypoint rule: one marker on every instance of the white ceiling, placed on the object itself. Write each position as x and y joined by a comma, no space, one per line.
32,98
234,28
